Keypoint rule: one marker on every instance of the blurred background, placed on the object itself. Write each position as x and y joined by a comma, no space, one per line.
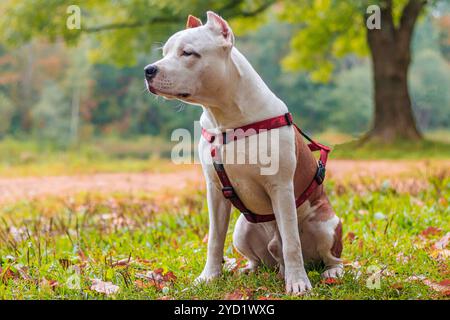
87,187
80,91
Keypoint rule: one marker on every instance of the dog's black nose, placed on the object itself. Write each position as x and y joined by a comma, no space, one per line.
150,71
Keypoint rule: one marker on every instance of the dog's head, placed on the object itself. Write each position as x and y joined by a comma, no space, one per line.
194,64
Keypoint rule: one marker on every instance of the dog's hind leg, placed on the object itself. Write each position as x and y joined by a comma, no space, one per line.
251,240
331,256
328,238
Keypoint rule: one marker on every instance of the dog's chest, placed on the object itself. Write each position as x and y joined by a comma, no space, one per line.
254,165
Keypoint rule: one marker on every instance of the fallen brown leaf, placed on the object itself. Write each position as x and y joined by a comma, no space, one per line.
101,286
49,283
443,242
331,281
431,231
23,272
442,287
235,295
143,284
268,298
169,277
351,236
156,278
122,263
440,255
6,274
443,202
397,285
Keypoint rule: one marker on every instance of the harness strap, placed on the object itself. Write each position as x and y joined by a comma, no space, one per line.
242,132
229,193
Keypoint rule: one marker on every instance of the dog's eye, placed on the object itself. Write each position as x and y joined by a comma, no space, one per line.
185,53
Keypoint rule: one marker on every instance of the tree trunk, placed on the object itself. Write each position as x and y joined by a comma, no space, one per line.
391,57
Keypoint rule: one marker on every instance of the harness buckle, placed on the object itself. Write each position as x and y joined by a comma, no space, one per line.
228,192
320,173
288,118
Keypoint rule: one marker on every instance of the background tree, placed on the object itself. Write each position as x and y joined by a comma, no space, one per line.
329,30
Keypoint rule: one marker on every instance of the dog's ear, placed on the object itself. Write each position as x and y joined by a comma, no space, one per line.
193,22
217,23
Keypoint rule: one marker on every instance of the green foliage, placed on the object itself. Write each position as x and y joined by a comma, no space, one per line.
327,30
430,83
7,112
52,115
121,29
352,112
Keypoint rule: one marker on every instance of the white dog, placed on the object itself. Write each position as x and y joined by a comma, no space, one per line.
201,66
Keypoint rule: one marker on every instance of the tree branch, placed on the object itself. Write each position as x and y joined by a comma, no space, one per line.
410,13
257,11
171,20
130,25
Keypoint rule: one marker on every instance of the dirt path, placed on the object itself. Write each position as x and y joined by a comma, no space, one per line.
19,188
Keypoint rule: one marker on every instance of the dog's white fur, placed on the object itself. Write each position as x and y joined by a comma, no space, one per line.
219,78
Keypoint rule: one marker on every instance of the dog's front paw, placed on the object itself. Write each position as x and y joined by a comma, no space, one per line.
206,277
297,283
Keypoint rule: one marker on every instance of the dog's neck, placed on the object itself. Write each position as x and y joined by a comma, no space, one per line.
245,99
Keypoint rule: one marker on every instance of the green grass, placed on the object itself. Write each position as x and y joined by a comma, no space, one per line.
57,238
427,149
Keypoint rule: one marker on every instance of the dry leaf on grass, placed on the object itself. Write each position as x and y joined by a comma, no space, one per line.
442,287
402,258
331,281
269,297
122,263
351,236
439,251
239,294
156,278
14,272
397,286
142,284
431,231
6,274
48,283
233,264
101,286
443,242
230,264
440,255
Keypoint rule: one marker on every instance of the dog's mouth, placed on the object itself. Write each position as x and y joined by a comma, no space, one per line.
182,95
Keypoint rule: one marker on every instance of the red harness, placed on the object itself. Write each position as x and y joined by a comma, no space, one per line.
242,132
